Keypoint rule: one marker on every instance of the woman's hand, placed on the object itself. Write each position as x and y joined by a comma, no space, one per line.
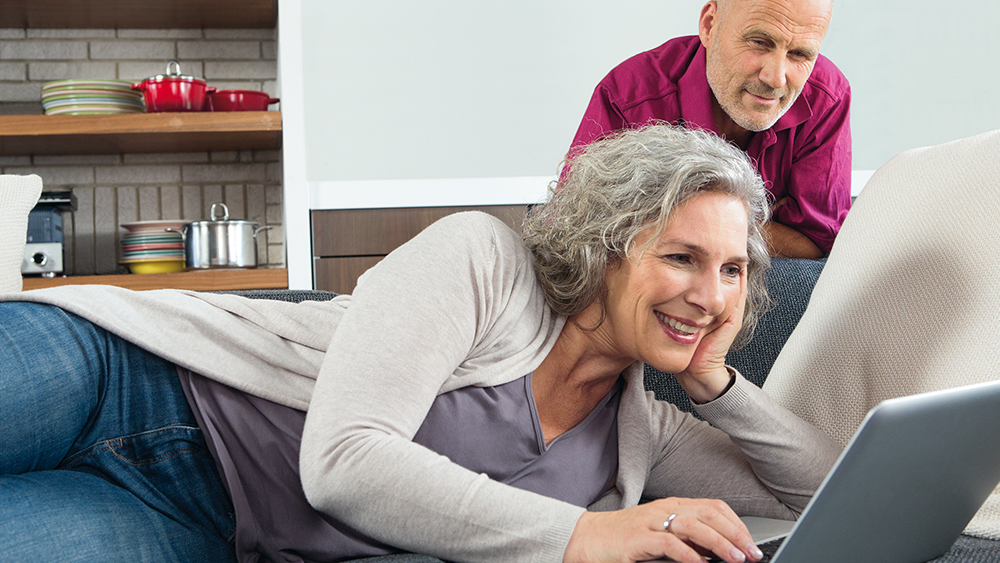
640,534
706,377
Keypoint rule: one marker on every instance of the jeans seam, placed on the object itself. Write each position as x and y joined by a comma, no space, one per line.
112,443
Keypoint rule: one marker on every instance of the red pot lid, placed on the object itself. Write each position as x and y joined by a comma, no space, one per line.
175,75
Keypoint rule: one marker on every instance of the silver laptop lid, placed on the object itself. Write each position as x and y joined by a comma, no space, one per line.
912,477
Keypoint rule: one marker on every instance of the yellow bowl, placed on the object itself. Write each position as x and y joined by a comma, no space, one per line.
156,266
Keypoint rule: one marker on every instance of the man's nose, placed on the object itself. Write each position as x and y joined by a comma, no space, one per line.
773,71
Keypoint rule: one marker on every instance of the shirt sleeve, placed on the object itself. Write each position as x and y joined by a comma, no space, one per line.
415,320
819,184
752,453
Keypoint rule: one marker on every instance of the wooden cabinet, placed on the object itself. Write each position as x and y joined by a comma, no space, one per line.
139,14
346,242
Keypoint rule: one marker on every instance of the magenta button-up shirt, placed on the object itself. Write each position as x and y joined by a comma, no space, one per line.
805,155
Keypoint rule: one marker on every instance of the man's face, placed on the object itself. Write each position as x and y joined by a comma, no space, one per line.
759,55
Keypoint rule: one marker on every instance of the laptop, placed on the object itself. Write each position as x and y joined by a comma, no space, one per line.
905,487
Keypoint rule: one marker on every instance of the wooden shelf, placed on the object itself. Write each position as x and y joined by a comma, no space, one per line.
202,280
139,133
140,14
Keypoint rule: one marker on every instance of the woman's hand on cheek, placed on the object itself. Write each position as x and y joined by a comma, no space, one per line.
640,534
706,377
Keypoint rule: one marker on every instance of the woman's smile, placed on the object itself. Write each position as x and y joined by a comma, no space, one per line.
677,330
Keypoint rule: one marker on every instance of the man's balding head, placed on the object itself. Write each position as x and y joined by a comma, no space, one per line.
759,55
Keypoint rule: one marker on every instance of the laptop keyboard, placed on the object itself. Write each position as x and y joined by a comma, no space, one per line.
769,548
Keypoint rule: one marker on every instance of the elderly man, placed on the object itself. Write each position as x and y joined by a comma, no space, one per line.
754,76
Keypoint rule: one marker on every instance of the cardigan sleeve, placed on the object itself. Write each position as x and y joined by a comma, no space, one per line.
752,453
433,315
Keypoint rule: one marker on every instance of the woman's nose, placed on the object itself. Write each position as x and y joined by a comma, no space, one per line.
706,294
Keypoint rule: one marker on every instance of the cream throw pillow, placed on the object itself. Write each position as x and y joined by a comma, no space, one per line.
909,299
18,195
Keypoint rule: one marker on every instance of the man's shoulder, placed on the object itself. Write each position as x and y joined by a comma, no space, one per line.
653,73
827,79
668,60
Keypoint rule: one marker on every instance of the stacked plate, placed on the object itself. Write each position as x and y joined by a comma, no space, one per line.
90,97
149,248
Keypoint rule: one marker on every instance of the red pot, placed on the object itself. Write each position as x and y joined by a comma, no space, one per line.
173,91
238,100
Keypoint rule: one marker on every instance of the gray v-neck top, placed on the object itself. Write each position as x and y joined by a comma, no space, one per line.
490,430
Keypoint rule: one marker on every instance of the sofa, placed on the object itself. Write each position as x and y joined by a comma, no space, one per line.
790,283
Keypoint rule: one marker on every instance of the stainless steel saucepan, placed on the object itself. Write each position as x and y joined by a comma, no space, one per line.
220,242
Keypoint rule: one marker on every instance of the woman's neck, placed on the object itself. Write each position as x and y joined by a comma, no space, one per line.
575,376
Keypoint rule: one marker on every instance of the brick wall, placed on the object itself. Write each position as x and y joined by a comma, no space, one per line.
115,189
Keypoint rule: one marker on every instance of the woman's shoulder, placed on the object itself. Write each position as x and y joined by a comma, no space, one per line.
459,252
479,222
480,233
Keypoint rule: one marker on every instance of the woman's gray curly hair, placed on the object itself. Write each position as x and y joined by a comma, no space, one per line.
618,186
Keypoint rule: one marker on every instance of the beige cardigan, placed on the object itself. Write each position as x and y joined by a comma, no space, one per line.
423,321
909,299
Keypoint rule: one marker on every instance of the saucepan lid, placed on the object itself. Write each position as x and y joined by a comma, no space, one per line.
217,219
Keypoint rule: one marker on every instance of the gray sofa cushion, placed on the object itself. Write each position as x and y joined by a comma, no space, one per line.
290,295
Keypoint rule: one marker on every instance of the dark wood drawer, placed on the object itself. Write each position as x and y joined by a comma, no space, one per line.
366,232
341,274
346,242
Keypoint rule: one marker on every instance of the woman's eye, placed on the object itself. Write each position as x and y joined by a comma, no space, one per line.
732,271
679,258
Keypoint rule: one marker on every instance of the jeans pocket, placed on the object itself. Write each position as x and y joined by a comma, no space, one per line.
160,445
168,468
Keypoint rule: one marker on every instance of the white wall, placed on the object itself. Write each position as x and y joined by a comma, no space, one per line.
447,88
923,72
397,89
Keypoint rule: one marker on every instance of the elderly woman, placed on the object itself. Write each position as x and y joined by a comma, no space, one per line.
478,398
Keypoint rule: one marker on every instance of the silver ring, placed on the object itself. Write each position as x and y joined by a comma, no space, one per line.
666,525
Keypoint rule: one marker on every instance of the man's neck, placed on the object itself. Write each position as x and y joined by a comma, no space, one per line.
729,129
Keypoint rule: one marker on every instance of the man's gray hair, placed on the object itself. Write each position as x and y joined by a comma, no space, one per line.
618,186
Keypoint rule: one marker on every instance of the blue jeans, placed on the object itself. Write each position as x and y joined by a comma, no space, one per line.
101,458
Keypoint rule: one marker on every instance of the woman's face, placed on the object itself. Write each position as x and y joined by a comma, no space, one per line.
663,300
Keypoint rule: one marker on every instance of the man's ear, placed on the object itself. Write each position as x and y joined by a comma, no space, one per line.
707,21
